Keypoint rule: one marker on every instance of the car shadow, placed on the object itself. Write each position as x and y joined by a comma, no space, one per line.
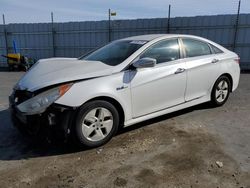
13,146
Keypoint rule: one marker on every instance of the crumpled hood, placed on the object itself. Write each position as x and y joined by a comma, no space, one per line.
47,72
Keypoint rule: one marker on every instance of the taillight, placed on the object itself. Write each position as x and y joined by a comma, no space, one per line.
237,60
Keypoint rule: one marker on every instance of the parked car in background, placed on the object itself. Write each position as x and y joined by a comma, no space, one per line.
125,82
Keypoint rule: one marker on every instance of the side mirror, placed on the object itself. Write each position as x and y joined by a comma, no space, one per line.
145,63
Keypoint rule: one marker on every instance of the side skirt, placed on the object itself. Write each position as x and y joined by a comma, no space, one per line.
167,111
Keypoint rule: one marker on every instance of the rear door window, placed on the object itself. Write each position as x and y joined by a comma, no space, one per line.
195,48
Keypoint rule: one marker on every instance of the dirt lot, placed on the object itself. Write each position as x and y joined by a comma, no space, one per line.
178,150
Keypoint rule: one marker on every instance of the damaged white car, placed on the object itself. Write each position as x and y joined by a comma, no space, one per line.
123,83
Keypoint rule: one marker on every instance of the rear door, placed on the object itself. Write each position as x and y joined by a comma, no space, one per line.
202,68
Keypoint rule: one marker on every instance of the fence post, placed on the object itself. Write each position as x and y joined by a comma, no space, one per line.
53,34
5,36
169,9
236,26
109,25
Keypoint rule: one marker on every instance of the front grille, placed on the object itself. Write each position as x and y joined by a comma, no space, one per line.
21,96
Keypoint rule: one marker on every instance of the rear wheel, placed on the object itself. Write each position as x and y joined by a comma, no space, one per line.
221,91
96,123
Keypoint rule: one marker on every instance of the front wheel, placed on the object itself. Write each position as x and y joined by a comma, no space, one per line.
221,91
96,123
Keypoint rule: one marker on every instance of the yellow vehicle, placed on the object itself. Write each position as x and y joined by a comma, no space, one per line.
16,61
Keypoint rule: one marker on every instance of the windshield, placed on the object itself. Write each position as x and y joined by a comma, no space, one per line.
114,53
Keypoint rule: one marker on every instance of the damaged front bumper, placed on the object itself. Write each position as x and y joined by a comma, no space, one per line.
55,122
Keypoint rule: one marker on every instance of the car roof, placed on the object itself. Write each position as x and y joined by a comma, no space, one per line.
161,36
150,37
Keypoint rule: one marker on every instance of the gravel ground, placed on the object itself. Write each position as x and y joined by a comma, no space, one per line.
196,147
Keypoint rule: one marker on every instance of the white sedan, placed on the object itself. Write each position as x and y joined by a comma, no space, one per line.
123,83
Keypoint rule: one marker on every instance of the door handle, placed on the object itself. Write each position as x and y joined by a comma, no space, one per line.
215,60
179,70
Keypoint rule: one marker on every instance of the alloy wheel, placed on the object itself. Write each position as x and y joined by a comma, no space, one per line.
97,124
222,91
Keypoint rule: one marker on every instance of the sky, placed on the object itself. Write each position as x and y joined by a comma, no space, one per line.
32,11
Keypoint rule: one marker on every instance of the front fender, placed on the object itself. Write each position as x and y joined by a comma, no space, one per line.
108,86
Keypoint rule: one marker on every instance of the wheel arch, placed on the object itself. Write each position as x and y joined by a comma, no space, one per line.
117,105
230,79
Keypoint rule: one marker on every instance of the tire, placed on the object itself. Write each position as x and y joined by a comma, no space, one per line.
96,123
221,91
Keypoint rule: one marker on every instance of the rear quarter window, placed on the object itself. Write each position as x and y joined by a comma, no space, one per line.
216,50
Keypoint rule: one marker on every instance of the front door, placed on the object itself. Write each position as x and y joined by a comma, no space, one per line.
160,87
